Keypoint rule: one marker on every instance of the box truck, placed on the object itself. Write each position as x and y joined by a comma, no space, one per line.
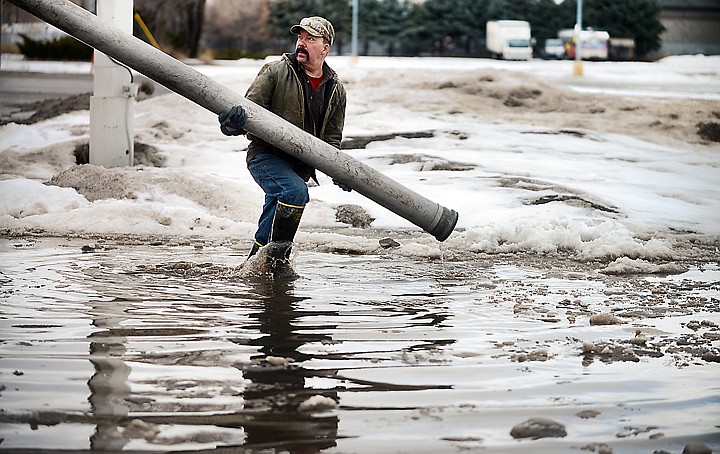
509,39
594,43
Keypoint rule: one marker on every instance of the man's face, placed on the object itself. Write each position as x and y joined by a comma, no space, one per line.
310,49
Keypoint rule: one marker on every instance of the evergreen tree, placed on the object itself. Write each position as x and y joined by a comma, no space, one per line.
417,37
286,13
393,23
638,19
455,27
369,19
547,18
455,24
510,9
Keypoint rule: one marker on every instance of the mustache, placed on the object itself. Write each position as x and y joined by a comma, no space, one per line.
300,50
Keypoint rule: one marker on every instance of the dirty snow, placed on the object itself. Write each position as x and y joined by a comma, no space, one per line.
533,159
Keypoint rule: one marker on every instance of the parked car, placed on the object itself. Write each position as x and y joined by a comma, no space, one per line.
554,49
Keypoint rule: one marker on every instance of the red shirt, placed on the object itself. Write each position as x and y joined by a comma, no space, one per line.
315,82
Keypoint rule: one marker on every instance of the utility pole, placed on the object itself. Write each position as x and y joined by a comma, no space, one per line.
354,46
112,105
578,40
2,18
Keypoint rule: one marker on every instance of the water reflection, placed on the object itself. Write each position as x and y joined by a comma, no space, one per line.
109,386
450,360
277,385
277,380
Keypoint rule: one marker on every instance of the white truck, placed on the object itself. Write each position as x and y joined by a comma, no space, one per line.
594,43
509,39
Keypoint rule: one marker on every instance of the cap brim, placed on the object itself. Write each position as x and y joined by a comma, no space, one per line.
296,29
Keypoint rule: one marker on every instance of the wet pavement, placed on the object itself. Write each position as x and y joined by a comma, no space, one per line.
23,94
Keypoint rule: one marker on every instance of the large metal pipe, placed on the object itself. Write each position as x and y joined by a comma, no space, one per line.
187,82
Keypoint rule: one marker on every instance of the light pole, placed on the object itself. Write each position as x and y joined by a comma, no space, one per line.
354,43
578,40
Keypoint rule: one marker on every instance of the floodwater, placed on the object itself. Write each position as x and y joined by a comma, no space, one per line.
130,346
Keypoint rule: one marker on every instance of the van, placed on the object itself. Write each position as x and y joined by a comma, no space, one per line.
554,49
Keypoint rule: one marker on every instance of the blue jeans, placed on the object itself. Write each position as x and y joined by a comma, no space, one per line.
281,184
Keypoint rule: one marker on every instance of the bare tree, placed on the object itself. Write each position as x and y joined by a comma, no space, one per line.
195,18
176,24
246,27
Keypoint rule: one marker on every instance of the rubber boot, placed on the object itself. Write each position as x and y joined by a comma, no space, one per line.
285,226
255,248
286,222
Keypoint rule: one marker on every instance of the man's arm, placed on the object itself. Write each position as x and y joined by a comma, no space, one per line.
260,92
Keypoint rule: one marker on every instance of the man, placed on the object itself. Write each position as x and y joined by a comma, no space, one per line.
304,90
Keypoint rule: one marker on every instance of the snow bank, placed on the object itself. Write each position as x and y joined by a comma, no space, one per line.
520,185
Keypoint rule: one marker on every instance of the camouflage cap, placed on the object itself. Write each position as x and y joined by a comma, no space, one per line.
316,26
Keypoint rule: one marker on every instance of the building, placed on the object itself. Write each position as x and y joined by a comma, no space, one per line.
692,27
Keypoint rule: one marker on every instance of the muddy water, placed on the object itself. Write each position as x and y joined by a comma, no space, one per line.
140,347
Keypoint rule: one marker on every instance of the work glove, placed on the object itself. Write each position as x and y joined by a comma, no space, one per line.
343,186
232,121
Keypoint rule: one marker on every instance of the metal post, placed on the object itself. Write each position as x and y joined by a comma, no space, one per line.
354,49
2,18
112,106
578,40
435,219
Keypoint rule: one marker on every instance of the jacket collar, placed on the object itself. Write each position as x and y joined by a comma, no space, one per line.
291,59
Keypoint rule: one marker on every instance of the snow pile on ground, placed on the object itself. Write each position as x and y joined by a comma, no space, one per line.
530,165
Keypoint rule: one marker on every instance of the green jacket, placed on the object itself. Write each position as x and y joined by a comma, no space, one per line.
278,88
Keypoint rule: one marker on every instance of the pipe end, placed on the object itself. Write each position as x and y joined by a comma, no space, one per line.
445,226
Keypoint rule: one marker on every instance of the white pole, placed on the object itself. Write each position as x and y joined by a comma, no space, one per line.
354,47
432,217
578,40
112,106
